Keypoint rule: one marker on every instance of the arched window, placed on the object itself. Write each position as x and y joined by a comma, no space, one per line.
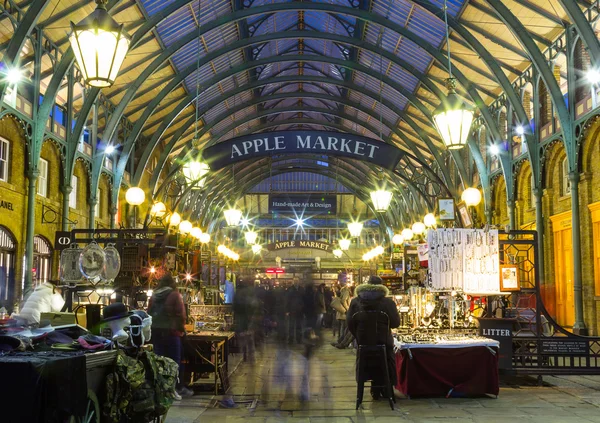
42,258
8,247
4,159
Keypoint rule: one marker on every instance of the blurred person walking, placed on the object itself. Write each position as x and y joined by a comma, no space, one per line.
245,314
345,298
168,319
295,310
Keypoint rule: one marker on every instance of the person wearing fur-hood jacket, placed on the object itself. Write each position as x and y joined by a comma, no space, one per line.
372,297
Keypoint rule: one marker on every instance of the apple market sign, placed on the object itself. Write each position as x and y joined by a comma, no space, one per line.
315,245
308,142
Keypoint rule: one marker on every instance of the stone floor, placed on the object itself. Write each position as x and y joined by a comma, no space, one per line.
268,393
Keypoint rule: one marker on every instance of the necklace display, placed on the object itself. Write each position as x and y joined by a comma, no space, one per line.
464,260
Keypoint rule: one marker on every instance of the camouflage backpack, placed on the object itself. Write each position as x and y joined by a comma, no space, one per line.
163,373
140,388
128,376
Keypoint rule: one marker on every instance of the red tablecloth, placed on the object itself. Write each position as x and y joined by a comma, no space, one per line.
439,371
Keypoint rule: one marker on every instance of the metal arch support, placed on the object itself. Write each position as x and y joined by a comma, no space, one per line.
257,166
539,61
184,104
16,43
583,28
502,80
176,136
415,186
242,14
240,44
289,78
415,189
233,71
334,9
223,188
420,183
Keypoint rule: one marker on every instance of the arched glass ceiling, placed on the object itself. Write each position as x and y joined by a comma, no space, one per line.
254,51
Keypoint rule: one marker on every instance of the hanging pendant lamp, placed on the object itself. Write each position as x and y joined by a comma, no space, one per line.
99,44
453,117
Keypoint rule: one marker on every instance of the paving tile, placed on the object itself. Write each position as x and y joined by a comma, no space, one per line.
333,391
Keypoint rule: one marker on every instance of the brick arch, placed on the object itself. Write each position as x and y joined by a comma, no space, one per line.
12,130
524,194
51,152
590,153
499,202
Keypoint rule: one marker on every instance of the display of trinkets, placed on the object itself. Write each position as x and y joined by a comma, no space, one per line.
465,260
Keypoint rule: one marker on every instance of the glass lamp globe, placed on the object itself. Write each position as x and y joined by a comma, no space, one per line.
195,172
407,234
185,227
429,220
381,200
379,250
251,237
221,249
453,119
232,217
196,232
471,197
256,248
337,253
204,238
175,219
355,228
158,209
418,228
344,244
135,196
398,239
99,44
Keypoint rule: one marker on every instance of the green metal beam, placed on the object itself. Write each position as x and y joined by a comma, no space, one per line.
588,37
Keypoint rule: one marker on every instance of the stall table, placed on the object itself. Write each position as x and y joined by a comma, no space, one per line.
208,351
448,369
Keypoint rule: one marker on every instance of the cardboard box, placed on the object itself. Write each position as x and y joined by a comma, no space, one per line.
59,319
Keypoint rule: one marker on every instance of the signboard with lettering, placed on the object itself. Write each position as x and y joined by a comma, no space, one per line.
564,346
316,245
6,205
311,142
501,331
300,204
62,240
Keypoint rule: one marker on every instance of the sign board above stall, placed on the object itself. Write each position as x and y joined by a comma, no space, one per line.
302,204
282,245
297,142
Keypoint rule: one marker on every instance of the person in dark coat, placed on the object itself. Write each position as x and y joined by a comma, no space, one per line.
372,296
295,311
321,308
168,324
245,308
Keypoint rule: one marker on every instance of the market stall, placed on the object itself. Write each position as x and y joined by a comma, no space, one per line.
448,367
208,346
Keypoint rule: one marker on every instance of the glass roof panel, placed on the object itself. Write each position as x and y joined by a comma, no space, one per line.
402,12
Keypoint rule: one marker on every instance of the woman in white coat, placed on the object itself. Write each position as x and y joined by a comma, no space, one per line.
43,299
